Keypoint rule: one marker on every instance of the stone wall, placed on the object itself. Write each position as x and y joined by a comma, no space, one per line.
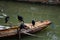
43,1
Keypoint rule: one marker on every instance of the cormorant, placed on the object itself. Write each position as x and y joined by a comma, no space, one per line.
22,26
20,18
6,19
33,22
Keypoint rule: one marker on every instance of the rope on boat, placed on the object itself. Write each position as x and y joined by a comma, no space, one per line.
30,33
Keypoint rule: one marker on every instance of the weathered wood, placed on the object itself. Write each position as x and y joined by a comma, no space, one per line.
29,28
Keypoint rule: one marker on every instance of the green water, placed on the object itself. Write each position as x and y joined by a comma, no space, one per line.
33,11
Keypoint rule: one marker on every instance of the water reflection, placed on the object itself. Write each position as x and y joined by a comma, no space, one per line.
52,36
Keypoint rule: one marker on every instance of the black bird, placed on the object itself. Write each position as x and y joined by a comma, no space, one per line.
33,22
20,18
22,26
6,19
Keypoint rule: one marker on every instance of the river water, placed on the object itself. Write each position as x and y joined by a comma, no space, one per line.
36,12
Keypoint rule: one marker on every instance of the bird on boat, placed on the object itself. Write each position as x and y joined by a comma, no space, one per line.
22,26
33,22
7,19
20,18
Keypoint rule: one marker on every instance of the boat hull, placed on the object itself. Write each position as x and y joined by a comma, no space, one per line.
30,29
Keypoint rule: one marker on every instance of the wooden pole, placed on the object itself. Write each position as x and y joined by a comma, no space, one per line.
20,35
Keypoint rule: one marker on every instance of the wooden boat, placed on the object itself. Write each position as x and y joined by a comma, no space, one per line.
10,31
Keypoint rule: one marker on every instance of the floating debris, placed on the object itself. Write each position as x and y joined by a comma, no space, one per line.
4,14
1,17
54,37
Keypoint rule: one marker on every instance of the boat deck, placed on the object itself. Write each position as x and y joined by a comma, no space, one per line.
13,31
